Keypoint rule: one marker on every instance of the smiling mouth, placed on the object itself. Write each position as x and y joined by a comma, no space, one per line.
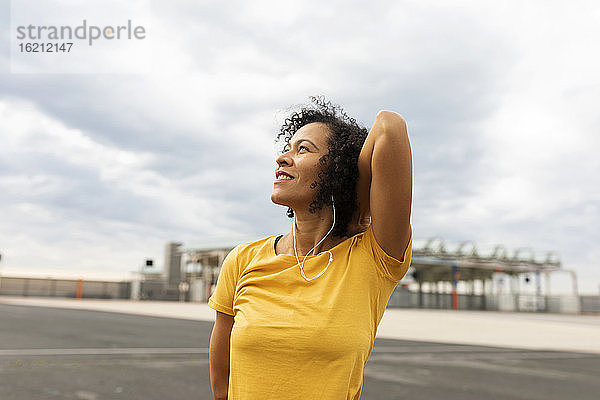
282,176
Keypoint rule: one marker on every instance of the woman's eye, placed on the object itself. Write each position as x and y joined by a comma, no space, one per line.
286,149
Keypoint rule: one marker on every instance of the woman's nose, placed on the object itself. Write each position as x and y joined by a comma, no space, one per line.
284,159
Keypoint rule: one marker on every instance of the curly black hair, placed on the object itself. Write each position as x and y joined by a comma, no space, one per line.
345,142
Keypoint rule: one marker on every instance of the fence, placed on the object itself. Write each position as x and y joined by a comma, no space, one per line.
590,304
63,288
403,298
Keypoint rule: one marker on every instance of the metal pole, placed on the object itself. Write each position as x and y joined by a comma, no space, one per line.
574,277
484,295
538,291
455,276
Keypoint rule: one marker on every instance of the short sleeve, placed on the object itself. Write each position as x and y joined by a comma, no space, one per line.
388,266
222,297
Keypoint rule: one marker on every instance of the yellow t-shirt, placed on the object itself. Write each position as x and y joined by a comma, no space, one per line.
294,339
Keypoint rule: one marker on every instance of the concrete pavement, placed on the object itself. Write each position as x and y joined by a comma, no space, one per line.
575,333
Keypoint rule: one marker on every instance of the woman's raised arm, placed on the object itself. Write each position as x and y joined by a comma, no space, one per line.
385,182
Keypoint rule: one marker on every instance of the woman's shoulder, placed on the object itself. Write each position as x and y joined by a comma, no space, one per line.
254,247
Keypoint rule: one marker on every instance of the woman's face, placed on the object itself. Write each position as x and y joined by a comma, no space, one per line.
300,161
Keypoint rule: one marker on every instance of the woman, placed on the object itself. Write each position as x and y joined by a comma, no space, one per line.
297,314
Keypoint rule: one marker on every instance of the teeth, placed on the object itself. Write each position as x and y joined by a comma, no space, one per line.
282,176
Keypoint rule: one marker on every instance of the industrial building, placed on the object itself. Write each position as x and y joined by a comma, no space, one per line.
436,273
441,276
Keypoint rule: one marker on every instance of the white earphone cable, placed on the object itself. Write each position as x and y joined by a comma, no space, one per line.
301,265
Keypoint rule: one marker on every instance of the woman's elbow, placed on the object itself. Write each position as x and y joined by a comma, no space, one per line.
390,117
390,121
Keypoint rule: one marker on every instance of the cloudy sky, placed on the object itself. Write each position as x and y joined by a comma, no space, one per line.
99,171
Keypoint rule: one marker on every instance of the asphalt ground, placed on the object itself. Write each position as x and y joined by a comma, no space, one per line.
52,353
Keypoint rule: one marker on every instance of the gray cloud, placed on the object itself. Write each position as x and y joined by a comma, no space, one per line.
186,153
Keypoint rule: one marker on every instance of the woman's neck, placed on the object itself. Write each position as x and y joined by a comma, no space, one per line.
309,231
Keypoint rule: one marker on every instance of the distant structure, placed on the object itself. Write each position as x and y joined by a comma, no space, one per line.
436,271
173,264
441,276
441,270
188,274
203,266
